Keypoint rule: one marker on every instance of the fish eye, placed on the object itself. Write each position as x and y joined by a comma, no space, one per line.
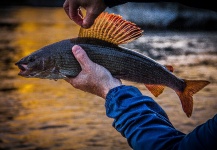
31,59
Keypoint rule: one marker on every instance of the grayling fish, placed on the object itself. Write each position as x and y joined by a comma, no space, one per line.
100,42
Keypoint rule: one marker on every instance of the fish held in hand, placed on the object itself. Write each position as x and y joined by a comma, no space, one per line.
101,43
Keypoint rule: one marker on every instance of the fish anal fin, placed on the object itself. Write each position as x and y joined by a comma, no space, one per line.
156,90
112,28
186,97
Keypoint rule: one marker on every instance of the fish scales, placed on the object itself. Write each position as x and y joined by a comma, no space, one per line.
128,64
121,62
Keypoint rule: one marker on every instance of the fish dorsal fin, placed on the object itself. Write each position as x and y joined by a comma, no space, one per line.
112,28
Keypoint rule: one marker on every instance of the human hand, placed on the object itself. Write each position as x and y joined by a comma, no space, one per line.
93,9
93,78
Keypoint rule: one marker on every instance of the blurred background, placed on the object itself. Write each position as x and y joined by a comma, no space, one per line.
149,15
52,115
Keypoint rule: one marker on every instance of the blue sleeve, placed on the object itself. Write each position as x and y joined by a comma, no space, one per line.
202,137
144,123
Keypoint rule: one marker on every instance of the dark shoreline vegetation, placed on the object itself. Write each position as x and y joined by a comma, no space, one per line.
151,16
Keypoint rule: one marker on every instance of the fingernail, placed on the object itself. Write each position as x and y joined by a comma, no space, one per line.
76,49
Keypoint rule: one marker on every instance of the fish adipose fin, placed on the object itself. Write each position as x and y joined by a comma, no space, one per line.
192,87
170,68
112,28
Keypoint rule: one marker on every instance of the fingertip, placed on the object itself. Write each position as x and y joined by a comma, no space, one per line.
89,19
87,22
76,49
86,25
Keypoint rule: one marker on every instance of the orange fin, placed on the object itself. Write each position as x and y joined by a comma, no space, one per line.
170,68
112,28
192,87
156,90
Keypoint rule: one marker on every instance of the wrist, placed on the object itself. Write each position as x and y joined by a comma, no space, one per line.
110,86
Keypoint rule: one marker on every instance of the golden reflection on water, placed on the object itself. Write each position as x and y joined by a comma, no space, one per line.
41,27
52,114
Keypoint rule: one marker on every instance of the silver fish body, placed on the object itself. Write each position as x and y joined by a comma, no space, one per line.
56,61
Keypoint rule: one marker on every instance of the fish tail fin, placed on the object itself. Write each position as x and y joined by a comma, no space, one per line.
156,90
186,96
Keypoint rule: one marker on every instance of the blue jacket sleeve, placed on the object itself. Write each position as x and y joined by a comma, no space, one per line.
145,125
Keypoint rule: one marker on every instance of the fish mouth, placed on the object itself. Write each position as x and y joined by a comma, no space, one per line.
23,69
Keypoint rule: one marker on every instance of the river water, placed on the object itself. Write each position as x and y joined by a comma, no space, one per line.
44,114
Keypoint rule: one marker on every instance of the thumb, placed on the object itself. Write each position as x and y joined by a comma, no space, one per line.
81,56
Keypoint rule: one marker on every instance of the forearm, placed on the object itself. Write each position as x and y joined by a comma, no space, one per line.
141,120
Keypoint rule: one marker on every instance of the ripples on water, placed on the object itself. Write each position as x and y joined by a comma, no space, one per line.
44,114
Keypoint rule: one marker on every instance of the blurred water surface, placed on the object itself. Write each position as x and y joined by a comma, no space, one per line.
47,114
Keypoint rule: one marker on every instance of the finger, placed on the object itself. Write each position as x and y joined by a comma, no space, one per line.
74,13
66,7
89,19
81,57
76,16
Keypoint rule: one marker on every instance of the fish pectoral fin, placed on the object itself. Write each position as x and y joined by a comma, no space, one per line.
192,87
156,90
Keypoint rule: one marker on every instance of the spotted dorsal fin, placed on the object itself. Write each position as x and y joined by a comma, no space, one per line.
112,28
